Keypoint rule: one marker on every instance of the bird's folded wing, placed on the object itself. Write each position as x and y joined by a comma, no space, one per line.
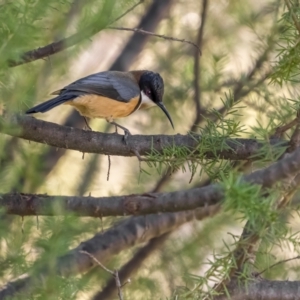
112,84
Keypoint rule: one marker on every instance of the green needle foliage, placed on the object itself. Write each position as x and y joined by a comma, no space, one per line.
217,129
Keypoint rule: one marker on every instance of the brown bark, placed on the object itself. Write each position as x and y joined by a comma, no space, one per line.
113,144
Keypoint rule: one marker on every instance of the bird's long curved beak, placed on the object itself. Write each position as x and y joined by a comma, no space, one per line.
163,108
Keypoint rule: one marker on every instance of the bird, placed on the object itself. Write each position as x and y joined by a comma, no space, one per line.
110,95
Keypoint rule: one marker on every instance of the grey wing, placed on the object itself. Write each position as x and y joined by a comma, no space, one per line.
111,84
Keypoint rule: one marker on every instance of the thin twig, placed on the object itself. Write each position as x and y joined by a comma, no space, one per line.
132,266
295,139
109,165
97,261
282,129
118,284
140,159
197,95
113,273
141,31
278,263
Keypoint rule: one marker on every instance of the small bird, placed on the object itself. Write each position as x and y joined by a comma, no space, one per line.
110,95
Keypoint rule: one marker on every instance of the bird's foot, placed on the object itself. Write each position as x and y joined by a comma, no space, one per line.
126,135
126,131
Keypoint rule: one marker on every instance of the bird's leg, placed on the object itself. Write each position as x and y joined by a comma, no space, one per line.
126,131
116,129
87,124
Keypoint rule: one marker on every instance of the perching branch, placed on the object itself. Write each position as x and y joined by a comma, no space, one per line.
113,144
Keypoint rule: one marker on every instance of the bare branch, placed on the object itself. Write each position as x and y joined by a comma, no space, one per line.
197,95
44,205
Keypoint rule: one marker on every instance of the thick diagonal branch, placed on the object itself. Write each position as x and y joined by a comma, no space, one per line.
102,246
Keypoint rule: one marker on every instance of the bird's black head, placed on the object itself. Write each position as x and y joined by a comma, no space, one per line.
152,86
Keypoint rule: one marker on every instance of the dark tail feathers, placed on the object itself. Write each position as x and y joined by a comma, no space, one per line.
45,106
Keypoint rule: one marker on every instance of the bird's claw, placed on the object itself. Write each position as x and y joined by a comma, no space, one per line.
126,135
126,131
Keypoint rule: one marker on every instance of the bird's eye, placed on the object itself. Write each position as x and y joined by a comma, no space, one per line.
148,92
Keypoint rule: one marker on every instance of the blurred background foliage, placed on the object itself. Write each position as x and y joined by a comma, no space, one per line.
250,59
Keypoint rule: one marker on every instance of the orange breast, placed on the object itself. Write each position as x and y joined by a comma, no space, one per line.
94,106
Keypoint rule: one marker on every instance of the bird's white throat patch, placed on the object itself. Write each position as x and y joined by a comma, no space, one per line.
146,102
